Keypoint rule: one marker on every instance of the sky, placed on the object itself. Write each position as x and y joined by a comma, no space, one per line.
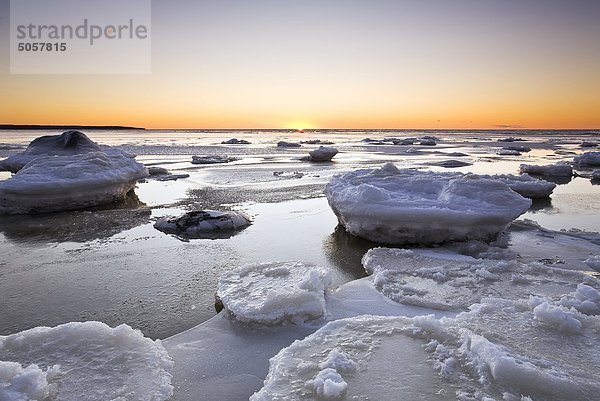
429,64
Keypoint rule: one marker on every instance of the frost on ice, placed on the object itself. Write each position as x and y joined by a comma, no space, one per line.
90,361
454,282
272,293
204,224
395,206
498,350
67,172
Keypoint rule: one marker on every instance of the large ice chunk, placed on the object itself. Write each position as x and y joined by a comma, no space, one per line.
588,159
322,154
553,170
77,361
395,206
453,282
55,183
272,293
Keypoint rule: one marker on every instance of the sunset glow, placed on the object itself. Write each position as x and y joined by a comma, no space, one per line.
351,64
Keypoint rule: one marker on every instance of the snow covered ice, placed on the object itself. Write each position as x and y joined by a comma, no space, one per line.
272,293
552,170
586,159
55,183
216,159
204,224
455,282
525,185
90,360
393,206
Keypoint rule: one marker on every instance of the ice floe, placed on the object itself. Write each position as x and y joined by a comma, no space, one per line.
450,163
55,183
590,159
525,185
455,282
393,206
204,224
284,144
508,152
553,170
272,293
90,361
235,141
322,154
216,159
68,143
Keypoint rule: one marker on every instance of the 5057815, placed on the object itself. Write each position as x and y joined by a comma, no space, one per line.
42,46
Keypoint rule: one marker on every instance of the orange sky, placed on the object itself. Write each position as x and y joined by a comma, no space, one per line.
344,64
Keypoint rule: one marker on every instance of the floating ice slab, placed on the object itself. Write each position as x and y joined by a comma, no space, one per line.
323,154
77,361
508,152
235,141
56,183
272,293
284,144
454,282
394,206
486,353
204,224
588,159
553,170
213,159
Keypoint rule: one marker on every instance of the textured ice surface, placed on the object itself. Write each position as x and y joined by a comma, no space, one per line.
204,224
394,206
525,185
454,282
68,143
381,362
23,384
322,154
284,144
77,361
553,170
588,159
54,183
498,350
596,174
271,293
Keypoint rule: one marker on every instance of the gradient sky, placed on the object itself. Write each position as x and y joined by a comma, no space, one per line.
338,64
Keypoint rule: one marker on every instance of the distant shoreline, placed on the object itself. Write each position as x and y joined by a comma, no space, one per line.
59,127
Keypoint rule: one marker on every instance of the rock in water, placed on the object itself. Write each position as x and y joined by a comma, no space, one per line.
323,154
204,224
393,206
57,183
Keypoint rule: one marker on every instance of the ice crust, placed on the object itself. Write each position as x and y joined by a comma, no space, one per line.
204,224
55,183
90,361
393,206
453,282
552,170
274,293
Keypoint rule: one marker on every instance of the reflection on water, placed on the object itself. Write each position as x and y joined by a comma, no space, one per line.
345,251
76,226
